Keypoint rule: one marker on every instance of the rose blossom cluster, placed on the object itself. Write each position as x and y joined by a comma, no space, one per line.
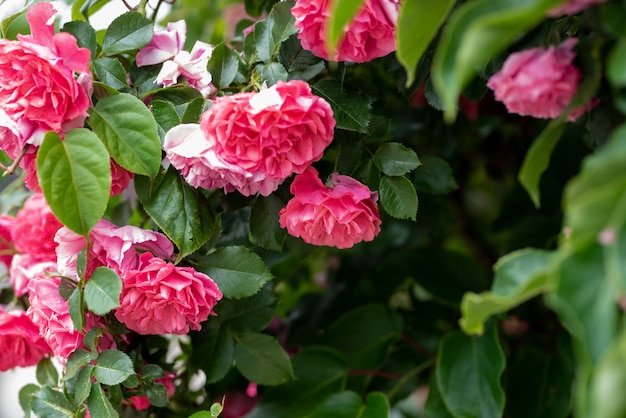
251,142
571,7
167,48
540,82
370,35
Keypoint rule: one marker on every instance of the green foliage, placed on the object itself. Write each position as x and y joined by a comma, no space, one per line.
102,291
113,367
261,359
128,32
352,110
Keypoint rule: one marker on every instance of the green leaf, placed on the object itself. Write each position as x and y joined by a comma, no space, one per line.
299,63
25,397
341,13
519,276
103,290
475,32
98,403
113,367
223,65
320,372
51,404
85,35
157,395
434,176
127,32
181,211
468,374
261,359
394,159
47,373
110,71
348,404
165,115
264,226
151,372
75,362
275,28
238,272
77,309
213,350
130,136
352,109
272,73
609,381
616,64
435,407
398,197
91,339
428,16
82,390
251,314
75,176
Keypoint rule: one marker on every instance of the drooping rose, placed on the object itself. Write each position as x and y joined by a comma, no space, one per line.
571,7
111,246
20,342
34,229
161,298
38,88
539,82
254,141
166,47
370,35
339,215
7,250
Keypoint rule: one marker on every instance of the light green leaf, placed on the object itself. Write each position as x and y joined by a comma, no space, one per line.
352,110
264,227
468,374
165,115
75,176
98,403
519,276
275,28
127,32
77,309
47,373
82,389
341,13
272,73
398,197
131,135
111,72
261,359
609,381
103,290
75,362
238,272
428,16
394,159
181,211
113,367
51,404
223,65
25,397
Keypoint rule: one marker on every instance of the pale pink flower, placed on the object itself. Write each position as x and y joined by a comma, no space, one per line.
120,178
370,35
29,165
338,216
7,250
539,82
571,7
254,141
38,90
165,44
111,246
25,268
161,298
20,342
34,229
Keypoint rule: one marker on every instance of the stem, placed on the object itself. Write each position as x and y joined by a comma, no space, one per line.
377,373
141,7
417,346
128,6
410,375
11,169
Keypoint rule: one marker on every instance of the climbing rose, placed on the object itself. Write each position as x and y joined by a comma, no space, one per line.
339,216
572,7
20,342
6,242
253,141
34,229
38,90
539,82
370,35
161,298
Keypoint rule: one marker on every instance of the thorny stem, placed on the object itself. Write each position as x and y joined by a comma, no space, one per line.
11,169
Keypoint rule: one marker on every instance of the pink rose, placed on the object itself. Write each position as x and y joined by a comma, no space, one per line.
338,216
572,7
539,82
120,178
161,298
370,35
34,229
38,90
254,141
6,241
29,165
20,342
111,246
25,268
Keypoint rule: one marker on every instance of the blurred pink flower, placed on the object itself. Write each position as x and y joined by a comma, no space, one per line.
120,178
111,246
20,342
34,229
254,141
161,298
7,250
571,7
38,90
25,268
370,35
539,82
338,216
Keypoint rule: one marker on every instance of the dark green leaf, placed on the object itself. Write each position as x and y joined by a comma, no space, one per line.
151,372
434,175
113,367
261,359
130,136
127,32
468,374
272,73
75,362
82,390
91,340
275,28
85,35
348,404
398,197
181,211
157,395
103,290
51,404
47,373
251,314
616,65
299,63
25,396
98,403
341,13
435,407
352,110
213,350
75,176
264,227
223,65
238,272
110,71
394,159
165,115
